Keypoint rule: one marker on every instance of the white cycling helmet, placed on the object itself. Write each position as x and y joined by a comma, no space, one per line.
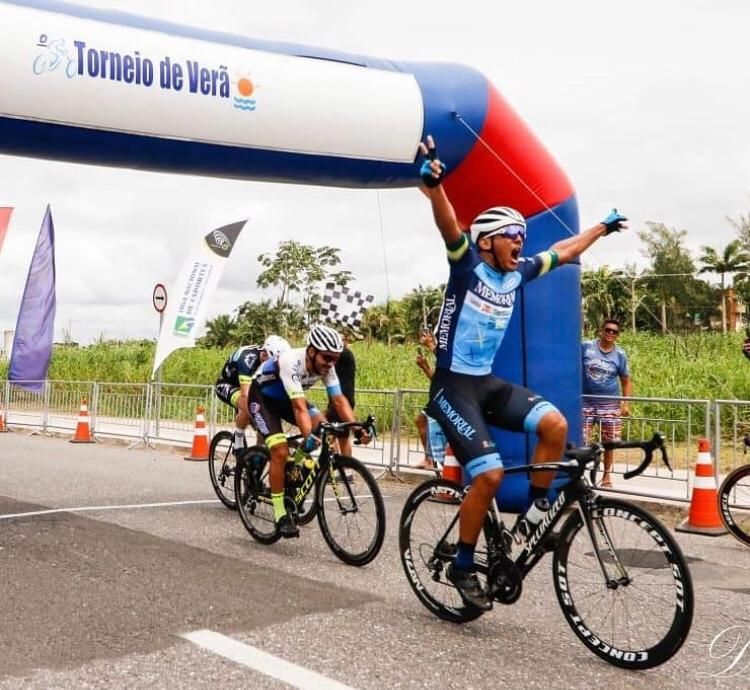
494,220
274,345
325,339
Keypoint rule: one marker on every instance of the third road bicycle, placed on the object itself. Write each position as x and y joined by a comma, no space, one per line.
734,501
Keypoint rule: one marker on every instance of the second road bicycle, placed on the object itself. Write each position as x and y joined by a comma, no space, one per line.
347,499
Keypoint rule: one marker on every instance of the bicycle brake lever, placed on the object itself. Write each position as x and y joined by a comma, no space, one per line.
368,427
656,443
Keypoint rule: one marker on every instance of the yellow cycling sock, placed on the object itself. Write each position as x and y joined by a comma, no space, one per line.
279,509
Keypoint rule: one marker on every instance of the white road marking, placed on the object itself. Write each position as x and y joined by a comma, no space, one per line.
84,509
270,665
131,506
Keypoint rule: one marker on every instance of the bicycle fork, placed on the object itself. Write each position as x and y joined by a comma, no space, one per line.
601,533
346,505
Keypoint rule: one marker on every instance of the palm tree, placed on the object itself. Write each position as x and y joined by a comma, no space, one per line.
220,331
732,260
605,294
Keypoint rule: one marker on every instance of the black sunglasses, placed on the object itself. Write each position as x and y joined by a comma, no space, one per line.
612,331
328,359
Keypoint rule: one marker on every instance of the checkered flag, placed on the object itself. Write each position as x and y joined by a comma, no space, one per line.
343,307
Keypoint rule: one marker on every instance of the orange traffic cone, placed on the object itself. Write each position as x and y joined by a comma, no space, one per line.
200,436
704,503
83,430
3,427
452,471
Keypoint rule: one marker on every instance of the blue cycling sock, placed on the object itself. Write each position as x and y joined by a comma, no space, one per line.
465,556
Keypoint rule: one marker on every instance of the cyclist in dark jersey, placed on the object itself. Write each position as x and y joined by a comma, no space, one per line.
233,384
346,370
485,274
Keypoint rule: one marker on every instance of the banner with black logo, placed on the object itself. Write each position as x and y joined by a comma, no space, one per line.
191,293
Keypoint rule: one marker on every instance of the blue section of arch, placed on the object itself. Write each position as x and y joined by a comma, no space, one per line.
446,89
542,347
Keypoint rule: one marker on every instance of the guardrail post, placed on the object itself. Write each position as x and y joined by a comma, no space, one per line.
395,459
147,414
45,406
157,409
717,438
94,406
212,413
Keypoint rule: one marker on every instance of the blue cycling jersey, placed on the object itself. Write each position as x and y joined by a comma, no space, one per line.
477,307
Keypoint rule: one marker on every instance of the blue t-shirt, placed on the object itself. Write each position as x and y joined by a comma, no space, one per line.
477,307
602,370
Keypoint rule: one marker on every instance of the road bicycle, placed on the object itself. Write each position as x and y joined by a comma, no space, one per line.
221,467
223,464
347,499
621,580
734,501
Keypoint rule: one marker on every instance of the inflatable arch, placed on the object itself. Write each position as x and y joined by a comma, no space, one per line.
106,88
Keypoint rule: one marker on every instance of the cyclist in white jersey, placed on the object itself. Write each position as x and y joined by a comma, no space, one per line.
278,393
485,274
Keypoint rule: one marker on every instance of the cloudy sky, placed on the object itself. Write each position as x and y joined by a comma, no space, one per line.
645,105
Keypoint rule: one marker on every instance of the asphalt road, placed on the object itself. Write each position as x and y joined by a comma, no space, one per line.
122,593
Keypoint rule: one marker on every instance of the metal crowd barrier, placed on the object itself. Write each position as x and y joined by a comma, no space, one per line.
408,450
55,409
682,421
731,434
382,405
159,413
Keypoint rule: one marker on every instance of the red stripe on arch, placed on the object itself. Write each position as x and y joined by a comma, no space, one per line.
481,180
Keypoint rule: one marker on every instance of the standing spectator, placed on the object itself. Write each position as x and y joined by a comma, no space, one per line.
605,370
430,434
346,369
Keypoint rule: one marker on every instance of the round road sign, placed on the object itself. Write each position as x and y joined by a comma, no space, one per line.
160,297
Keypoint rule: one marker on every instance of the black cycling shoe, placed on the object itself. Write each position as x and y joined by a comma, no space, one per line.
468,586
286,527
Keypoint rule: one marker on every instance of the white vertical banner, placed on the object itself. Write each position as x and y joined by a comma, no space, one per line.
193,289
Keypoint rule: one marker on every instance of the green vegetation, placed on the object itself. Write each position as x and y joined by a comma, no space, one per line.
699,365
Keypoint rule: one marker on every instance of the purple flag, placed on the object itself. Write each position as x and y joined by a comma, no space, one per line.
35,329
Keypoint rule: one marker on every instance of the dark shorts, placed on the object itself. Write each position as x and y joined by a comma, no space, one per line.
227,392
266,415
465,405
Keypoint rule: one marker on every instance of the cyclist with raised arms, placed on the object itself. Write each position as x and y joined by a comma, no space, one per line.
233,384
278,393
485,273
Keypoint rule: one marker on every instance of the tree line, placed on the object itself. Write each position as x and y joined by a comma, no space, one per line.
668,295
